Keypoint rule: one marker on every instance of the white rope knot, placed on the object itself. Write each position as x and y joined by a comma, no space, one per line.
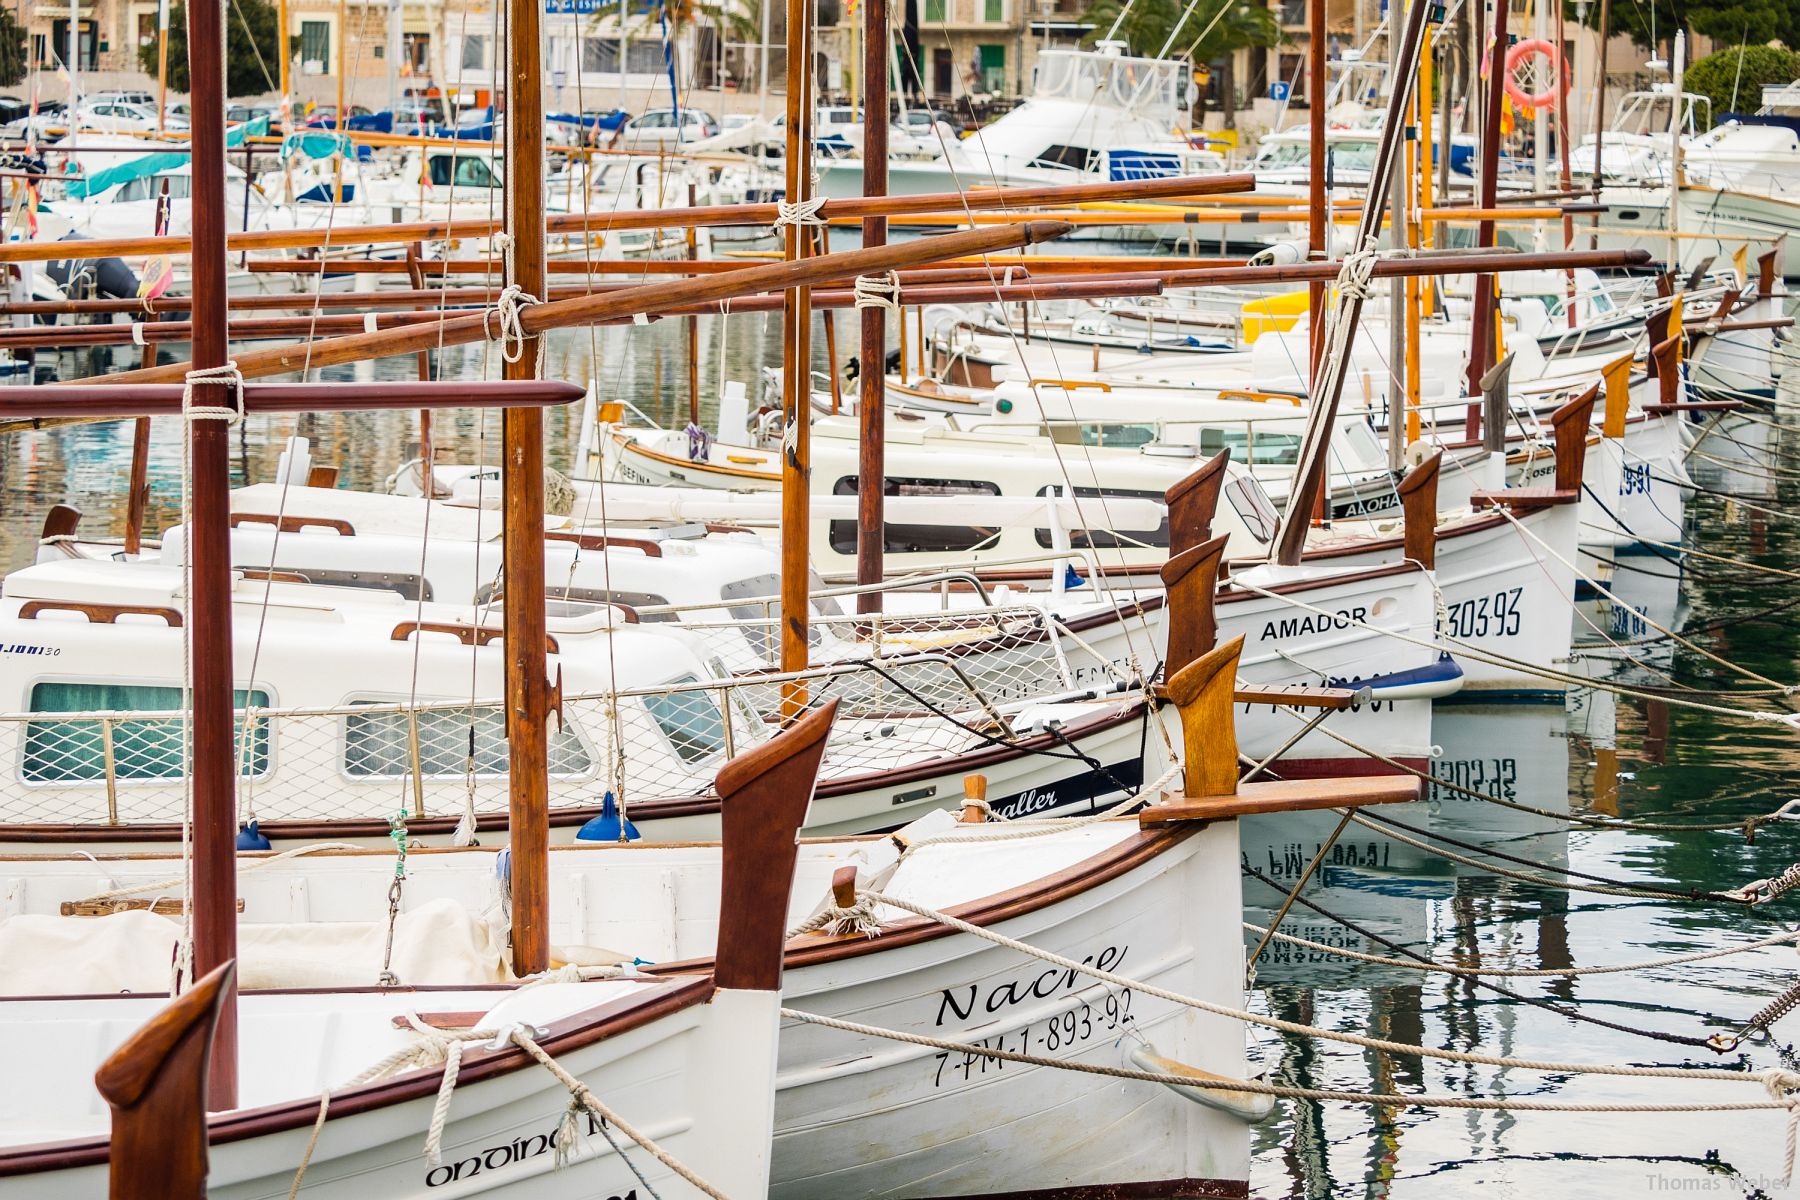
225,375
801,212
1355,276
878,291
508,308
1784,1088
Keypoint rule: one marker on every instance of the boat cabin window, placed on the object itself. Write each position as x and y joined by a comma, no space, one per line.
1130,436
914,539
690,720
74,749
378,745
1075,158
1252,447
460,171
1253,507
150,187
1104,539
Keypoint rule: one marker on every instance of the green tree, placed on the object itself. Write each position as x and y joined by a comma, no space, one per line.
1743,69
252,54
1148,23
1652,23
12,49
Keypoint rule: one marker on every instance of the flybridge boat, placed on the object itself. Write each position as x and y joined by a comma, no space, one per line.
1092,115
329,1048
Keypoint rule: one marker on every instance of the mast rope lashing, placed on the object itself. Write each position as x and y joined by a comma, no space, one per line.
800,212
508,306
225,375
878,291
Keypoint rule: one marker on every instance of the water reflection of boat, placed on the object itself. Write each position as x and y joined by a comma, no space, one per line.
1384,887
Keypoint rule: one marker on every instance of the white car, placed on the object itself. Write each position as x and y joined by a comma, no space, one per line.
120,116
658,129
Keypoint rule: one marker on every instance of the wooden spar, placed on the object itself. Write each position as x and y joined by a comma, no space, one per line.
693,328
796,365
213,770
253,329
104,401
1309,473
665,218
1481,332
622,304
522,437
156,1086
1316,224
871,377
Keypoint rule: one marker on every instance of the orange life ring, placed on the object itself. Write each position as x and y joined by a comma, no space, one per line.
1545,99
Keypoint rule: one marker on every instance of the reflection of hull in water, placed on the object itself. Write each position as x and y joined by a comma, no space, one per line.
1514,752
1645,592
1731,452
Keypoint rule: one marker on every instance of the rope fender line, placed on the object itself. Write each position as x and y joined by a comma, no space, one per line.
1784,1080
1780,1093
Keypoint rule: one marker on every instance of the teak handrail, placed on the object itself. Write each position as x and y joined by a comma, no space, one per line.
291,523
606,541
468,635
100,614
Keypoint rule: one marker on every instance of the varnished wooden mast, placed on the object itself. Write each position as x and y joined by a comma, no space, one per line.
871,378
527,689
155,1085
1310,473
1481,332
213,767
796,358
1317,223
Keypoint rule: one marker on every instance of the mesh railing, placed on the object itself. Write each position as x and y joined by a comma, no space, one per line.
434,759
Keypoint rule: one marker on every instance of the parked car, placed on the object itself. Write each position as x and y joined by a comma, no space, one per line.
665,128
419,117
929,124
143,99
238,114
325,116
119,116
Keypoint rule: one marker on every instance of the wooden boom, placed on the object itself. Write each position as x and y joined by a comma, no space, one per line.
593,310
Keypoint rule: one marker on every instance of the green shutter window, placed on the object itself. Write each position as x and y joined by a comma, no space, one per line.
75,750
934,11
993,62
994,13
379,745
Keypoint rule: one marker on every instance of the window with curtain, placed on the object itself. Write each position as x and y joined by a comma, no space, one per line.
315,43
73,750
379,744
